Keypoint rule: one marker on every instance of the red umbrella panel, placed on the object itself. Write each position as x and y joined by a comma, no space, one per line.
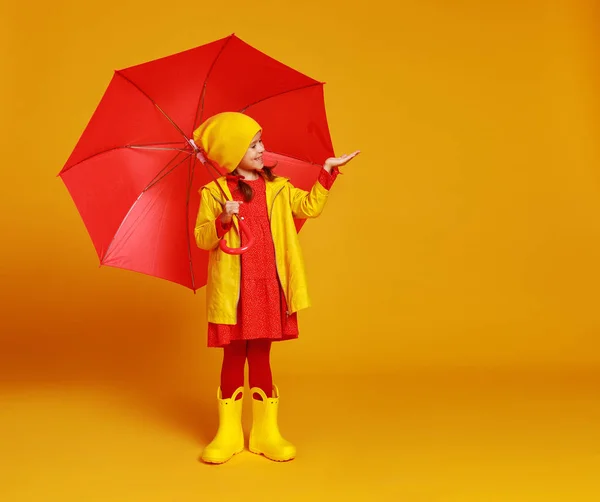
134,176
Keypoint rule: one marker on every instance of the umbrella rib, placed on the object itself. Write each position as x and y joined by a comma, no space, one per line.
155,180
163,173
91,157
187,219
156,105
119,148
161,143
243,110
136,147
200,107
295,158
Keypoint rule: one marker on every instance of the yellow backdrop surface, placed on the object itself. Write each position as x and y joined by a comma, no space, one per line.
467,232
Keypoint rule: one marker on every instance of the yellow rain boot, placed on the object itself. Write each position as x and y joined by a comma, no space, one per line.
229,439
265,438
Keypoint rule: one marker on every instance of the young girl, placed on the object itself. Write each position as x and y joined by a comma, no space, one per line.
252,298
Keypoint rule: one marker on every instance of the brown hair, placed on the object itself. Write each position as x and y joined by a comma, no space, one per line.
246,190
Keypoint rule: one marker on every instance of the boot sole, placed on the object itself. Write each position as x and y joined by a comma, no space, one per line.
218,461
258,452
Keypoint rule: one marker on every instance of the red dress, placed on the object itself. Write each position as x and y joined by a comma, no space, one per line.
262,308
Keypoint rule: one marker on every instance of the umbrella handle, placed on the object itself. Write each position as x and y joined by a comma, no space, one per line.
246,231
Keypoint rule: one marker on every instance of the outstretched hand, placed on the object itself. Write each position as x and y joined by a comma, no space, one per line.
332,162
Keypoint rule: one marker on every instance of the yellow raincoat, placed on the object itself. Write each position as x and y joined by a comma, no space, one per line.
284,202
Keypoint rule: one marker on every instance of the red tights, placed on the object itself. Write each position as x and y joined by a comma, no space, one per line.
259,366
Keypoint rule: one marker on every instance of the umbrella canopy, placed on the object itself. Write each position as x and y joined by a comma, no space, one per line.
134,176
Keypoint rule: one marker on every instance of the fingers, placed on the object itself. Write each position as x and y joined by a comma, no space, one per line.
348,157
232,207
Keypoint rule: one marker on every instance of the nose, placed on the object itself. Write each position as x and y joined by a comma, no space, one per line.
261,147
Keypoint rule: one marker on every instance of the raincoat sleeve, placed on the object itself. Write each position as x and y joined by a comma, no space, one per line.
311,204
222,228
205,231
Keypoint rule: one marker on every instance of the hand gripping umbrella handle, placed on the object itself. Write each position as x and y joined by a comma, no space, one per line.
246,231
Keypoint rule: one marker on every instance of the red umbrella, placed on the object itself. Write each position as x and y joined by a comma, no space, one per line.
134,176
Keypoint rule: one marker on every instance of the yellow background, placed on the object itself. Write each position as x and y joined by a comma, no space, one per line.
461,245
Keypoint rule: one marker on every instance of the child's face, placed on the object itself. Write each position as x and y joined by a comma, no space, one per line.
253,160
